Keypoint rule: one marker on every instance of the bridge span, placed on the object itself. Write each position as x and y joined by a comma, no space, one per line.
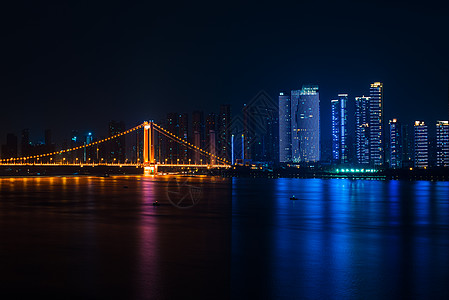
76,157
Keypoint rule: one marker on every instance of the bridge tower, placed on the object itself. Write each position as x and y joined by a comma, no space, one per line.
148,147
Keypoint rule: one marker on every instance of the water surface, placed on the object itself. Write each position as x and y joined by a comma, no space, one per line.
95,237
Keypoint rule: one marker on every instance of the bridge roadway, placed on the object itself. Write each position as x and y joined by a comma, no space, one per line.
101,169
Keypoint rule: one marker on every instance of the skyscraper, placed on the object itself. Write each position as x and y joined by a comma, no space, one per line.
421,145
285,131
210,133
224,131
198,133
117,151
362,129
395,144
407,146
442,144
376,124
305,112
9,150
340,129
172,147
183,123
25,143
271,139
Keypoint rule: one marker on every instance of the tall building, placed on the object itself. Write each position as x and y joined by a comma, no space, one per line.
421,145
47,137
183,123
259,114
210,126
224,132
285,129
198,126
117,153
407,146
376,124
362,131
395,144
305,112
172,147
340,129
25,143
271,139
442,144
198,135
9,150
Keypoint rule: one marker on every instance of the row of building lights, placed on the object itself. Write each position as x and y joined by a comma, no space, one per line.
356,170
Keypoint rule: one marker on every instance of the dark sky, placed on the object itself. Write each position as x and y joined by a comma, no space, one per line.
79,65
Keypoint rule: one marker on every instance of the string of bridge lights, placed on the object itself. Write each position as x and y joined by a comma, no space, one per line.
157,127
15,159
171,135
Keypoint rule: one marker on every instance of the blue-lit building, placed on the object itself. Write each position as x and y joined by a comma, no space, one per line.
340,129
421,145
395,144
305,123
285,129
362,130
376,124
442,144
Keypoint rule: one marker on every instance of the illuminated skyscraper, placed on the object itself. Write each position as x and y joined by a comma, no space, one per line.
376,124
340,129
285,128
362,129
305,112
395,144
421,145
442,144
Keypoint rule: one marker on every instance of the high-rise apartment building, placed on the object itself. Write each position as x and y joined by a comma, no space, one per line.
210,127
362,130
198,135
285,129
172,147
25,143
9,150
421,145
224,132
305,112
183,123
407,146
395,144
340,129
376,124
117,152
442,144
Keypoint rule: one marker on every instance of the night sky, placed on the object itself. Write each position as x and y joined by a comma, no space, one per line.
79,65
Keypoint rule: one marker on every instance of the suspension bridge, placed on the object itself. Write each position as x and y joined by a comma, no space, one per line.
146,154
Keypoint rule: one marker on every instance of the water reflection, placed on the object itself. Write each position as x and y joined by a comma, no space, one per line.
341,239
93,237
97,238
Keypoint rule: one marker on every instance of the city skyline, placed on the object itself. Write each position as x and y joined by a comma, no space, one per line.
80,68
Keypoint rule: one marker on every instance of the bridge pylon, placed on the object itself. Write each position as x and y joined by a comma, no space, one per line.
148,147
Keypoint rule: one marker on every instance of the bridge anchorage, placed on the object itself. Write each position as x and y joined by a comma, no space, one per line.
89,154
